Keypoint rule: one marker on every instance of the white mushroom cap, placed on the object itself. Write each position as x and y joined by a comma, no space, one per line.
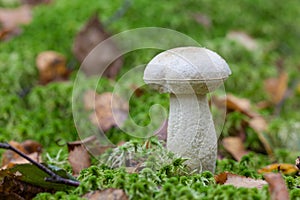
180,69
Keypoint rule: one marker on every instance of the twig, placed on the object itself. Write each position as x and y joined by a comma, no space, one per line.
54,177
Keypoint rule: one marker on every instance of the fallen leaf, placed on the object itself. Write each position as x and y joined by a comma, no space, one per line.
244,39
239,104
277,87
110,110
235,146
28,147
51,66
259,125
227,178
235,103
203,19
263,104
34,156
100,60
256,121
277,186
92,144
284,168
107,194
79,158
11,19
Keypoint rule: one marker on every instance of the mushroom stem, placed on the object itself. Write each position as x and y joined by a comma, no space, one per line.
191,132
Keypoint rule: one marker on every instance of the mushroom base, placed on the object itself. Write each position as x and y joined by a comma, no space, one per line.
191,131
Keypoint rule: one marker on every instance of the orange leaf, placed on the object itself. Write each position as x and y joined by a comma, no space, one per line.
279,167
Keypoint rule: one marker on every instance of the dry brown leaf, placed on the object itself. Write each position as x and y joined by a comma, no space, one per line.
259,125
235,146
244,39
92,144
20,160
227,178
263,104
51,66
11,19
28,147
203,19
277,187
284,168
79,157
110,110
107,194
277,87
235,103
239,104
256,122
99,60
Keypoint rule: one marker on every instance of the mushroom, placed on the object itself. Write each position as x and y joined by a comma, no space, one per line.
188,74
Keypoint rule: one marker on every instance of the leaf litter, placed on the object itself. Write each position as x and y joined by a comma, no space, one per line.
227,178
12,19
104,61
277,186
109,110
79,157
52,67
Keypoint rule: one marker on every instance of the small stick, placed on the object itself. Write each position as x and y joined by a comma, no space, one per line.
54,177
